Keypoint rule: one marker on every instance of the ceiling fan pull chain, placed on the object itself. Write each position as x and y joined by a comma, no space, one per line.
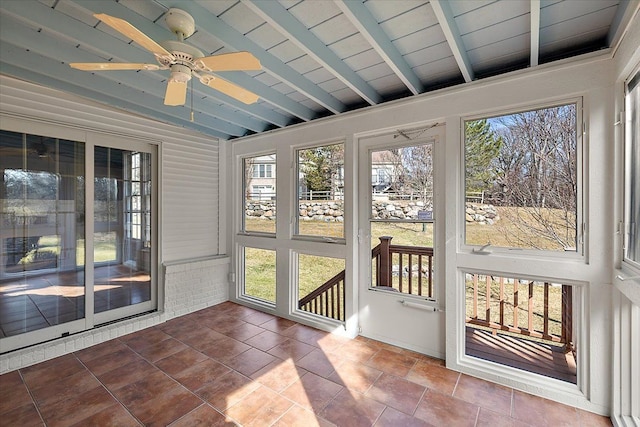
191,100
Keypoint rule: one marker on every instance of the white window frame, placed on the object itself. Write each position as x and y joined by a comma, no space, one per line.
581,202
243,196
633,266
295,230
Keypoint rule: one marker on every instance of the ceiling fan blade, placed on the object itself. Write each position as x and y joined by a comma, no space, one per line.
125,28
230,89
106,66
231,62
176,93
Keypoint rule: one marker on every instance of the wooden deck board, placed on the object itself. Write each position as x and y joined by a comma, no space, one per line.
520,353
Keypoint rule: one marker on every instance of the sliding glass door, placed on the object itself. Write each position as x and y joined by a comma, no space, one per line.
59,273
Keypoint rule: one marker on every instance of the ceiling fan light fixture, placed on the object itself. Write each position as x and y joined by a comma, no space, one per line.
180,73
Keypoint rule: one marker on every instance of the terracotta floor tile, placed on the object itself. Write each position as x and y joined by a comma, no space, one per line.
262,407
161,409
138,392
358,351
23,416
394,418
546,412
304,334
396,392
77,408
162,349
312,391
204,415
258,318
297,416
279,374
227,390
266,340
107,362
141,339
180,361
224,347
178,326
115,416
100,350
352,409
223,324
243,332
200,338
51,371
127,374
488,395
201,373
355,376
589,419
291,349
442,410
301,377
67,388
319,362
248,362
278,325
13,392
488,418
392,362
331,343
434,377
236,310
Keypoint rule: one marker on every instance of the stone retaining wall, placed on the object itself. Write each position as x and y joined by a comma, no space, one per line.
332,210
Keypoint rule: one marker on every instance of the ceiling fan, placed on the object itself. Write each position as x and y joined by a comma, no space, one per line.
184,60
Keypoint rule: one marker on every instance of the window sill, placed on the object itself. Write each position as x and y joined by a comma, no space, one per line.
627,281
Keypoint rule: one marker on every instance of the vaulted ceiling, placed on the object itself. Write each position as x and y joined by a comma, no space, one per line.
319,57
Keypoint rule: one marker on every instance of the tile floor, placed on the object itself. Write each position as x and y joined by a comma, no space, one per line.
232,365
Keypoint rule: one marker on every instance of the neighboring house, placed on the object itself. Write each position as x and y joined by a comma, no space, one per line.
261,178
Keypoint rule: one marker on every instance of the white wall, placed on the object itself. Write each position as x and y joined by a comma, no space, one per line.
589,78
192,273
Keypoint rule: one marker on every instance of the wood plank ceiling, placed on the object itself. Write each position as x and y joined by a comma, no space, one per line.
319,57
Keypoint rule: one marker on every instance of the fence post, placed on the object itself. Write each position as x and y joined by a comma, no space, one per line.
567,317
385,260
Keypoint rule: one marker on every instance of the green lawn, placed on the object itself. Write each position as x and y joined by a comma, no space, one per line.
313,271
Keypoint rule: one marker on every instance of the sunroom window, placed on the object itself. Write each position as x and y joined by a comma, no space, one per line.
259,182
632,173
320,186
522,186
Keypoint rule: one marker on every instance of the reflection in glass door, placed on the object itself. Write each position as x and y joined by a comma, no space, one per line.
122,228
42,280
55,279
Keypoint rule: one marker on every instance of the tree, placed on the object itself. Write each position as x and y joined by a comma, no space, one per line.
321,167
537,169
481,147
417,163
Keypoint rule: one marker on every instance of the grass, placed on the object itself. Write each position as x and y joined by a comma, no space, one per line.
260,274
508,231
313,271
